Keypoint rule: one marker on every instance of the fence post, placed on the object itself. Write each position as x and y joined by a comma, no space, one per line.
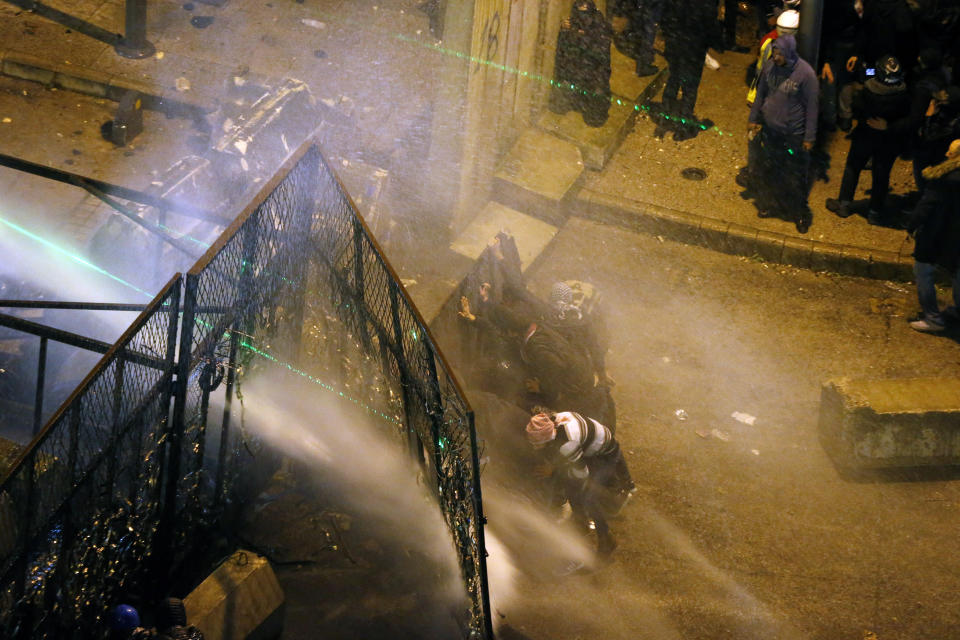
25,622
225,422
413,439
480,524
174,444
41,375
134,43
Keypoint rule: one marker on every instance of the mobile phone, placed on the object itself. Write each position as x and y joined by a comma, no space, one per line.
871,72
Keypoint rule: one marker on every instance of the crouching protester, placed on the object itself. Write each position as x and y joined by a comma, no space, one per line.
583,462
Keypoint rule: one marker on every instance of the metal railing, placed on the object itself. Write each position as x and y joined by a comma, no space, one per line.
79,510
135,467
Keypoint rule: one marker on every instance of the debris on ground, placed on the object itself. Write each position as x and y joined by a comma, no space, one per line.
316,24
745,418
681,415
720,435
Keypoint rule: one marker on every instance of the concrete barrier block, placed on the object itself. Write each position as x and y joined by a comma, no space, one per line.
741,240
713,233
679,226
855,262
875,424
770,246
240,600
796,252
26,71
826,256
87,86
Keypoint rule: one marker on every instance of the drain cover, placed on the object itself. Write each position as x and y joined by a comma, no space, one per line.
693,173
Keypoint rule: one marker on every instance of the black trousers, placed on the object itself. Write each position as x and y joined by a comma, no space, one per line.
680,92
783,173
869,144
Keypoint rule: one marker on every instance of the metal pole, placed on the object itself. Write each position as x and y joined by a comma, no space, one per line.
225,422
808,42
41,374
134,43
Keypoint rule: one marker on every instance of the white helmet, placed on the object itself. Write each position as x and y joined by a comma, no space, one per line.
788,21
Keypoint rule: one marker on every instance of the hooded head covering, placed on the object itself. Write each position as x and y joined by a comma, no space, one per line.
541,429
787,45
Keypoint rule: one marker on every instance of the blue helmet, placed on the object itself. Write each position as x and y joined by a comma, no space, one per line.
123,617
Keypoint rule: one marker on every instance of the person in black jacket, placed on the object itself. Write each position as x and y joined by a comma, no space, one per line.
935,225
884,123
687,27
582,65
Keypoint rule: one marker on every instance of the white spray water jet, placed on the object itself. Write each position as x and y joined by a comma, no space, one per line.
365,461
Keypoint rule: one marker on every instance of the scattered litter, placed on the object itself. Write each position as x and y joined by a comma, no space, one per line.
703,433
745,418
419,31
316,24
681,415
244,165
201,22
320,53
720,435
345,162
408,282
660,238
375,7
711,62
182,84
159,55
241,146
328,101
367,109
7,120
755,452
238,81
869,635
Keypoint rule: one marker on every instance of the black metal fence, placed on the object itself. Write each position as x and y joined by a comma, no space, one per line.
109,498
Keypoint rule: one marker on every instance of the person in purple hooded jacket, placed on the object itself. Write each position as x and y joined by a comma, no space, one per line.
784,115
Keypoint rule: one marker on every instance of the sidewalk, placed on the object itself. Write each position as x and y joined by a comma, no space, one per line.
642,188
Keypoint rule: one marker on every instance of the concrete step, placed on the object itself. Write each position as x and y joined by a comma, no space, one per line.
877,424
537,174
598,144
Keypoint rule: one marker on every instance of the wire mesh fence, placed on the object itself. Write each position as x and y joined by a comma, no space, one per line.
143,459
80,509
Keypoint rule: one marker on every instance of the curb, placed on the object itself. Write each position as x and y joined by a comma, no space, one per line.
741,240
99,84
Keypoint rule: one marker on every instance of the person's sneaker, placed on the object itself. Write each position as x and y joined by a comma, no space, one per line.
645,69
742,179
926,326
803,225
839,207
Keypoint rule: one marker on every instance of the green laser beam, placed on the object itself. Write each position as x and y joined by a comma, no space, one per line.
70,255
539,78
89,265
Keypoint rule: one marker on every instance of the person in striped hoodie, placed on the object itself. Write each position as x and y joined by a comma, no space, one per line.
584,462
